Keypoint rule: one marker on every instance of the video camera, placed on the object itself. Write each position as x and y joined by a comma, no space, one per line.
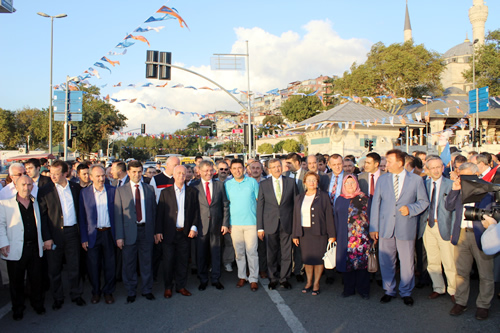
475,190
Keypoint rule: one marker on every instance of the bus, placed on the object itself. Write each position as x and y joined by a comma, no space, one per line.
163,158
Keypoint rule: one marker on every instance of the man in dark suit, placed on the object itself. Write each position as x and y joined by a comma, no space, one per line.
274,220
33,170
312,165
135,214
466,238
119,173
177,221
400,197
214,213
59,202
97,230
294,163
368,178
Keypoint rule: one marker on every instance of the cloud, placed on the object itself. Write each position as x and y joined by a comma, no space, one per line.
275,61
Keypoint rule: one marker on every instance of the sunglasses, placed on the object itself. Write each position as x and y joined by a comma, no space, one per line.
223,169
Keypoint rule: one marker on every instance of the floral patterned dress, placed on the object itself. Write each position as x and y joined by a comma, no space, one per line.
358,244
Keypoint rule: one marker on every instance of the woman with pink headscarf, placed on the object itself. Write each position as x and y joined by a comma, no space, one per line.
353,240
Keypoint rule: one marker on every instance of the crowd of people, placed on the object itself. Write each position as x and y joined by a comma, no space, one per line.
274,219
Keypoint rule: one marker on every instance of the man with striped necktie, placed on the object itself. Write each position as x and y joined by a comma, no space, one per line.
399,198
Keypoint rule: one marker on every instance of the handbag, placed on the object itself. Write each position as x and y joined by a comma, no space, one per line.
372,260
330,257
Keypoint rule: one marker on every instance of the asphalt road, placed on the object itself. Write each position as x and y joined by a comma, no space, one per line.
242,310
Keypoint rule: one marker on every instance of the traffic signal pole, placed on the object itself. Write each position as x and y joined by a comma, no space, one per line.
66,111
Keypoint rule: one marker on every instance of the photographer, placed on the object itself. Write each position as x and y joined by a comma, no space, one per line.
466,236
490,240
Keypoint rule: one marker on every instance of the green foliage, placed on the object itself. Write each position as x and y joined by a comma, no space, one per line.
291,146
298,108
303,142
233,147
401,70
265,148
278,148
100,119
487,64
270,123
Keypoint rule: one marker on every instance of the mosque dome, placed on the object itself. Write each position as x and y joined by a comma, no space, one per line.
462,49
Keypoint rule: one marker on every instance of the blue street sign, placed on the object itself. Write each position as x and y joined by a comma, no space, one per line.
71,117
72,108
483,100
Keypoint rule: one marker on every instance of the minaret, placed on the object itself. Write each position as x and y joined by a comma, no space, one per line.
408,35
478,14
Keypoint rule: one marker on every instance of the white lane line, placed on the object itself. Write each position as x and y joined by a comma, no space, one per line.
291,320
5,310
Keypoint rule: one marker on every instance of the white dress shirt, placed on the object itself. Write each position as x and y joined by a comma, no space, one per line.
375,180
101,203
10,190
143,203
296,176
121,182
401,181
305,211
67,204
180,196
485,172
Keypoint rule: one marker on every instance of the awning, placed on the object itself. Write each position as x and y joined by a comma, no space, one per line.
27,157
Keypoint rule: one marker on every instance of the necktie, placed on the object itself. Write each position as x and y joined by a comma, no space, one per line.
432,207
207,192
372,185
278,191
396,186
334,190
138,208
119,183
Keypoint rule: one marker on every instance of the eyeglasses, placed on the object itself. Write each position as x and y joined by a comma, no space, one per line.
19,174
223,169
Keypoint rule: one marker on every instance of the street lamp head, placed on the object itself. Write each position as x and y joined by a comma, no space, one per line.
47,15
60,15
43,14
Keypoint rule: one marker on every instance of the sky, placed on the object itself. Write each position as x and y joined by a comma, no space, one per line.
288,41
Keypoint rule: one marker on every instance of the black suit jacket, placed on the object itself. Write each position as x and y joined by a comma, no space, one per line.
43,180
269,213
321,216
51,211
166,214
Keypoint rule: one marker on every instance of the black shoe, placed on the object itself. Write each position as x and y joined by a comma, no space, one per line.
79,301
130,299
286,285
273,285
408,300
299,277
419,285
386,298
203,286
57,304
329,280
194,271
149,297
379,283
17,315
40,311
218,285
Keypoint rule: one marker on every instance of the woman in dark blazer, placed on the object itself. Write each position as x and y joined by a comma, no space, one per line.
313,228
353,243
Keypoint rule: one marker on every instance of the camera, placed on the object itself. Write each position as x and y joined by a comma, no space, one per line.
475,190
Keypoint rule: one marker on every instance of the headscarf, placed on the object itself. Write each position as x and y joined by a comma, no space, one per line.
356,192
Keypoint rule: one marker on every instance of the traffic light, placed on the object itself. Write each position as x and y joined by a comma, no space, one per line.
245,135
143,128
369,144
164,71
214,129
476,138
151,69
483,136
71,134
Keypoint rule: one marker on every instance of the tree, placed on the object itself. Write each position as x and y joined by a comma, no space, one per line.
270,123
8,137
298,108
100,119
487,64
278,148
401,70
265,148
291,146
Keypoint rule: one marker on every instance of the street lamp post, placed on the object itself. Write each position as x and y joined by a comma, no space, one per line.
474,86
426,123
51,61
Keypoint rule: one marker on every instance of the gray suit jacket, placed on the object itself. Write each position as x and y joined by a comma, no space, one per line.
114,182
125,215
364,182
385,215
301,186
445,217
216,215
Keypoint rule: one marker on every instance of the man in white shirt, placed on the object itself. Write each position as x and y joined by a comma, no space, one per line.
16,170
